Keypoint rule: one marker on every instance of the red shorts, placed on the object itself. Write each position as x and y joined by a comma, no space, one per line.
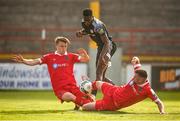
69,88
107,102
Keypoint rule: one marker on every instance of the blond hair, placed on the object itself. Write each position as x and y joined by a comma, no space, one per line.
61,39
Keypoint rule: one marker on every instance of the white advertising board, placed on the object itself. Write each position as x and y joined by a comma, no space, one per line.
20,76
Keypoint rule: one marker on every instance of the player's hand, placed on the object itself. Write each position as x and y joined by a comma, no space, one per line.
135,60
18,58
81,51
79,33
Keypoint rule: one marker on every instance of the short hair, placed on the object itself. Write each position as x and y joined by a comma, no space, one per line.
62,39
87,12
141,73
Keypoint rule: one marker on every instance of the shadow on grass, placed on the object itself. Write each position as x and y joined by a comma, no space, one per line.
71,110
34,111
123,112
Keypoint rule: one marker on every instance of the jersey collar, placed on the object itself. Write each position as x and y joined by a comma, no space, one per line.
60,54
142,85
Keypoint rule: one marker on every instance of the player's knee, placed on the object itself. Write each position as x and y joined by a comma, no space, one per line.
103,62
85,107
68,97
99,84
96,85
89,106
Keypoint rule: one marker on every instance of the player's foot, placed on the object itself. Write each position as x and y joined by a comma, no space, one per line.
76,107
62,101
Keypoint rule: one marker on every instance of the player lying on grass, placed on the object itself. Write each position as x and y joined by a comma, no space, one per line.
117,97
60,66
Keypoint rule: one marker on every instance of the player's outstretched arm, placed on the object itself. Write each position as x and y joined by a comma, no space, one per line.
84,57
160,106
21,59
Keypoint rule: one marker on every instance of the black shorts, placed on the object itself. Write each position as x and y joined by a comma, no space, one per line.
99,49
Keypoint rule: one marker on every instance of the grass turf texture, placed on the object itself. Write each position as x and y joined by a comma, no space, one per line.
43,105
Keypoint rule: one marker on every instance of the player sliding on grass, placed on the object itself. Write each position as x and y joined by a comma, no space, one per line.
117,97
60,66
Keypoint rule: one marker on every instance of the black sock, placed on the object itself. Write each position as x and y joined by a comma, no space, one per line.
94,92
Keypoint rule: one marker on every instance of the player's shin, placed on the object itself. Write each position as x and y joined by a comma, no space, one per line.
105,79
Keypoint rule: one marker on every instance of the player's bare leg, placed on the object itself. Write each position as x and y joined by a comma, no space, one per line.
79,101
100,70
67,96
91,106
101,67
105,79
70,97
97,85
99,77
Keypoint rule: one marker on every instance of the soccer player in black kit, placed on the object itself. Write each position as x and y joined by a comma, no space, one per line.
106,47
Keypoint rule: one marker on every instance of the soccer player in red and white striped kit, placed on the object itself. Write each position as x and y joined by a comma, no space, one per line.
60,66
117,97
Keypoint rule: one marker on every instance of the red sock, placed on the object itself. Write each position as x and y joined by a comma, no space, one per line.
94,87
78,101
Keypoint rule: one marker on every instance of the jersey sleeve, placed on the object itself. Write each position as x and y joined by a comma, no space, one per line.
44,59
76,58
152,95
137,67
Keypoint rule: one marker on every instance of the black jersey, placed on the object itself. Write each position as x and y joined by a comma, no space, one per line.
95,30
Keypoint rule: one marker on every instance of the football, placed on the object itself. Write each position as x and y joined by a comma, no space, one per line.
86,86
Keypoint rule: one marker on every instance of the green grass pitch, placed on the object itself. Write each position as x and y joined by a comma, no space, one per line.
43,105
